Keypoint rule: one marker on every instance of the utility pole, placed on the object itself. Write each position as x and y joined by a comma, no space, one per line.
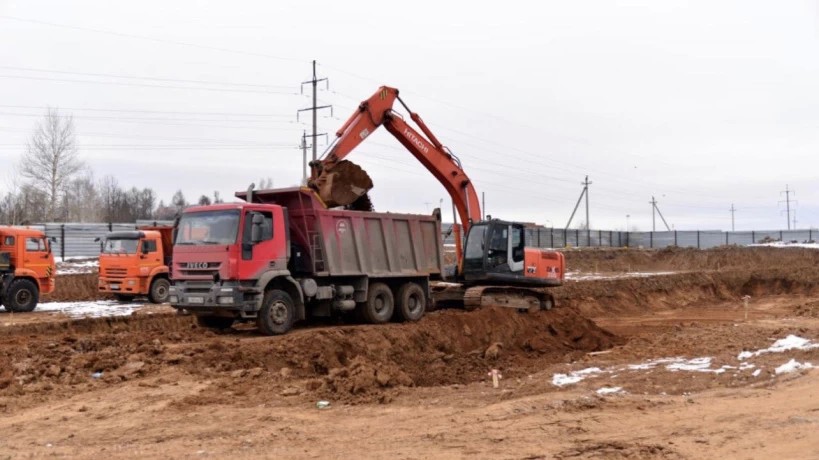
304,157
585,193
787,193
315,108
732,216
656,209
653,203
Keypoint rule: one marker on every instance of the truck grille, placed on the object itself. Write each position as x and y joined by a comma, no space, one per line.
198,269
116,272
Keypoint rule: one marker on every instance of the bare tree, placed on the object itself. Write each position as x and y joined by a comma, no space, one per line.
51,158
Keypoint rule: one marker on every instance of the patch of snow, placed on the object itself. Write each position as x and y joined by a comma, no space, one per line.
781,244
574,376
746,365
78,267
577,276
792,366
95,309
757,372
791,342
609,391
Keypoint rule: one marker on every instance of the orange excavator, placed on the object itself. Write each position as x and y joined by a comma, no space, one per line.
494,266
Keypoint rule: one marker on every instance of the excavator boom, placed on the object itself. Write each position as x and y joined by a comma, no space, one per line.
340,183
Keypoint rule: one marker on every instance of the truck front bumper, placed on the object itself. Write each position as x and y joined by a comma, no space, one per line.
128,286
221,298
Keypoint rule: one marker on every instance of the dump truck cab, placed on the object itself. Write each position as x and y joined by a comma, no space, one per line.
136,263
27,268
223,252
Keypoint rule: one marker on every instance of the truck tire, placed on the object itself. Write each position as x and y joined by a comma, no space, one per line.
214,322
278,313
22,296
380,304
159,290
411,302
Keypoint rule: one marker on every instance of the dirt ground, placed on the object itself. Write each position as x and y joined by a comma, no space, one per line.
625,368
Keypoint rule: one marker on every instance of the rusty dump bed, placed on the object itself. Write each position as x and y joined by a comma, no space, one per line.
354,243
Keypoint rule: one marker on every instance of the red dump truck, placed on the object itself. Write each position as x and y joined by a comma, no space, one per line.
282,256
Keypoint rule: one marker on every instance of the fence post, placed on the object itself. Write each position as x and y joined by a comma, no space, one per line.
577,237
780,236
698,239
552,237
110,227
538,238
62,241
651,240
726,238
565,238
810,234
753,237
675,238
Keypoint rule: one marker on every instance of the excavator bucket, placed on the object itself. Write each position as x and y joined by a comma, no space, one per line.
342,184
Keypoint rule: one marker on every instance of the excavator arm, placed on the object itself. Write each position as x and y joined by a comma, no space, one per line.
442,164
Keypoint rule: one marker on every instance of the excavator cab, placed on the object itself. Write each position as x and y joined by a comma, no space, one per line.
494,251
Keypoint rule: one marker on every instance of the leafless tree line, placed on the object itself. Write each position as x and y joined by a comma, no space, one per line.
53,184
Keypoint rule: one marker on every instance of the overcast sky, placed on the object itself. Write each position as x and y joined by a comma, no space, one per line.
700,104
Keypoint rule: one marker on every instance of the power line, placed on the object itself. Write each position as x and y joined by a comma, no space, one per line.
168,112
116,83
152,39
131,77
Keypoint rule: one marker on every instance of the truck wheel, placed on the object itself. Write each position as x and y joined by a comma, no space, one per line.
124,298
411,302
159,290
380,304
277,314
214,322
22,296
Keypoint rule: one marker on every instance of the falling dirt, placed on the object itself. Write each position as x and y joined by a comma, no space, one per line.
156,385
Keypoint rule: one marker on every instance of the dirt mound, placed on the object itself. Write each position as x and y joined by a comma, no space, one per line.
75,288
352,363
685,259
642,295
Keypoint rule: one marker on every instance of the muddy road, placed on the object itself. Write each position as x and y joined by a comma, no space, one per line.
666,366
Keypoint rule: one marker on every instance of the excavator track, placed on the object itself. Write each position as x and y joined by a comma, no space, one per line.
474,297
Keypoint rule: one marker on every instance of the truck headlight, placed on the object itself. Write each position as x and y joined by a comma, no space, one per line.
172,289
131,282
226,290
223,300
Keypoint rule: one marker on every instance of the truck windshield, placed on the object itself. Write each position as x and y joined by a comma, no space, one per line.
208,227
120,246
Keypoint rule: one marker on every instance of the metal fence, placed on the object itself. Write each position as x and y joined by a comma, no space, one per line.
702,239
77,240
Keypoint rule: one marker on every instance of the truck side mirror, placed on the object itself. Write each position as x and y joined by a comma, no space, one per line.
256,229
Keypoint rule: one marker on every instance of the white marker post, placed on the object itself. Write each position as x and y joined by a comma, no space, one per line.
496,376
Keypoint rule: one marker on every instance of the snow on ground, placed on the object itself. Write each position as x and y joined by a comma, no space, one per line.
94,309
74,266
791,342
702,364
609,390
792,366
578,276
782,244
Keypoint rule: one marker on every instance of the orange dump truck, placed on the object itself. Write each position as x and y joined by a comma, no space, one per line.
135,263
26,268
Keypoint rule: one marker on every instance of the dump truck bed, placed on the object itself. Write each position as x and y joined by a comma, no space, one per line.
353,243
